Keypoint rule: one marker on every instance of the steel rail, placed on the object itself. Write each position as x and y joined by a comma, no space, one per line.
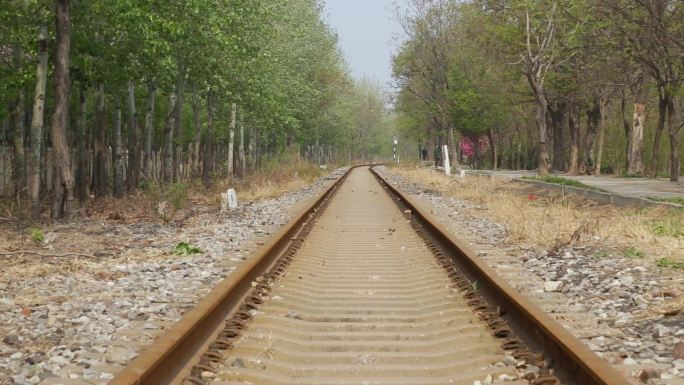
571,360
170,358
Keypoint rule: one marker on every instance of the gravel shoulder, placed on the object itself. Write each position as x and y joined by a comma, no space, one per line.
78,318
627,311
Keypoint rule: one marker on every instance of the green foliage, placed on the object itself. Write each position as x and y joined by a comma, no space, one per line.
676,200
37,234
277,59
177,195
184,248
489,66
633,252
562,181
668,225
150,185
666,262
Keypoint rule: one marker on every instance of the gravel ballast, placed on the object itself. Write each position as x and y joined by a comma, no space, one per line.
617,306
80,323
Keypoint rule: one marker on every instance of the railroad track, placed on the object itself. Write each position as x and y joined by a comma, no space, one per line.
363,288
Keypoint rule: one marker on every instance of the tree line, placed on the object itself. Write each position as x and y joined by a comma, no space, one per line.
576,86
101,97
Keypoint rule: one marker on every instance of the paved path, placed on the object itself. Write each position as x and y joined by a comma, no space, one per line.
631,187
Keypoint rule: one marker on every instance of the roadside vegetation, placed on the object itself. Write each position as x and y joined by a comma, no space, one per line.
175,202
538,217
675,200
562,181
575,86
110,98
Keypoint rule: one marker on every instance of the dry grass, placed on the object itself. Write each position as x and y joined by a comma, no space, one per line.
535,217
90,231
279,176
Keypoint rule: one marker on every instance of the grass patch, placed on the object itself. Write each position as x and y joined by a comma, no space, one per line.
675,200
275,177
667,262
536,217
177,194
633,252
171,199
562,181
279,175
668,226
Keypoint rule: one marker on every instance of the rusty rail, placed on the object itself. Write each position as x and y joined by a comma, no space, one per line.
572,361
171,357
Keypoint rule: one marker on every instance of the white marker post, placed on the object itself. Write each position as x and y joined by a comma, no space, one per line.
445,154
394,149
228,200
232,199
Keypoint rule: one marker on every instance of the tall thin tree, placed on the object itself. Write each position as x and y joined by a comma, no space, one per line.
64,192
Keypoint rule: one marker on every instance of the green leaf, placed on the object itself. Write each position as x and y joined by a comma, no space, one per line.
184,248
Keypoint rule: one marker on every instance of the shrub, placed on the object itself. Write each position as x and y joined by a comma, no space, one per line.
184,248
37,234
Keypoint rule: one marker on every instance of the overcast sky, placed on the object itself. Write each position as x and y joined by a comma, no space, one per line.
366,29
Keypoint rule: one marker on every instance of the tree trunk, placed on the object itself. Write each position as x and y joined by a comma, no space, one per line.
37,122
540,118
241,149
100,180
149,124
133,147
673,128
168,139
520,156
542,145
452,143
492,145
81,171
56,182
628,131
593,123
601,136
290,138
253,149
574,126
231,139
557,123
198,132
61,113
662,112
118,154
19,149
635,154
207,154
476,156
178,123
